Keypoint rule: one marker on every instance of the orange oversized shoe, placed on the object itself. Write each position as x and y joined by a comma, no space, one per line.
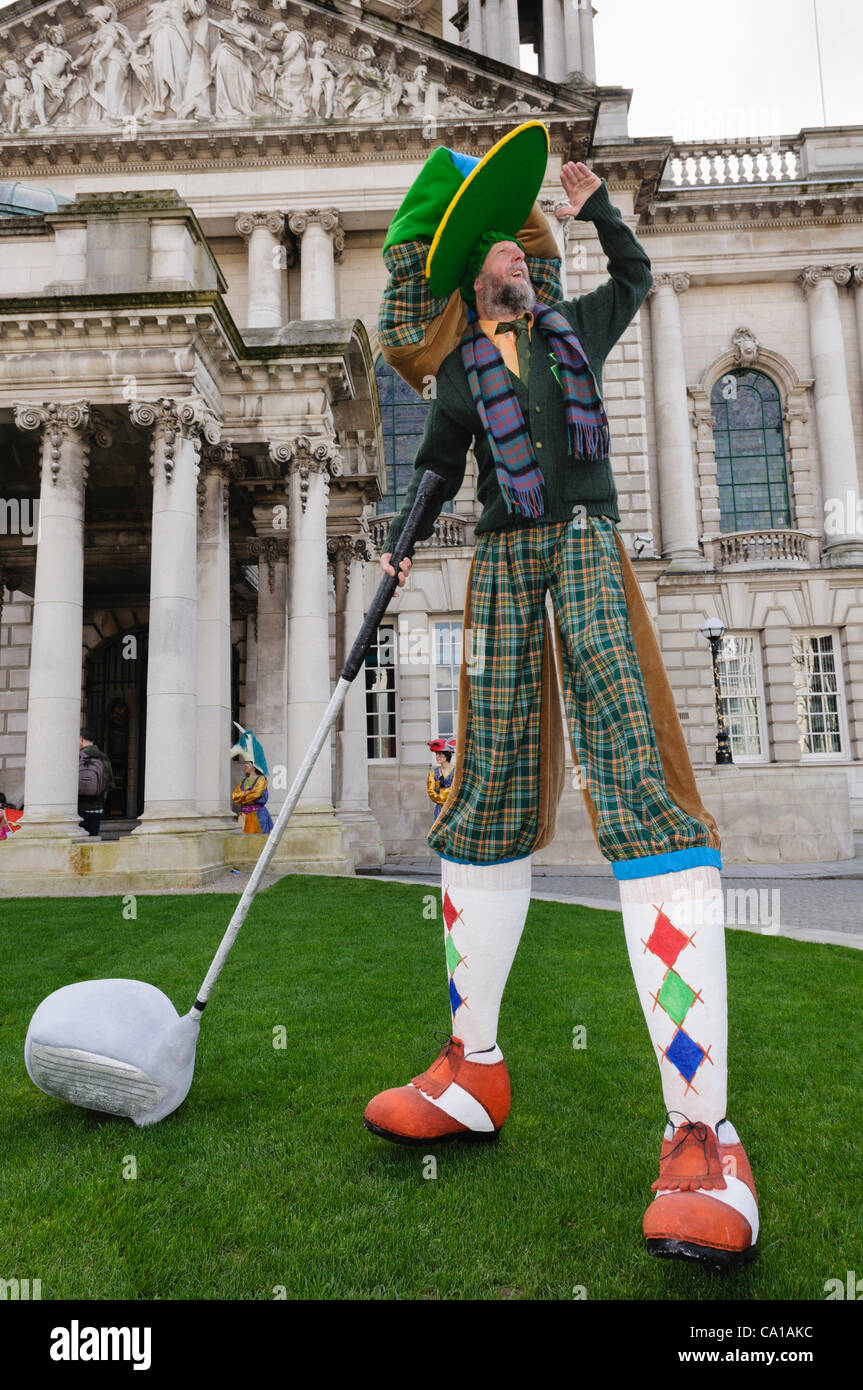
454,1099
706,1207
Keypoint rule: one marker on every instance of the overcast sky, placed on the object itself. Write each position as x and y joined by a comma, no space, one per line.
702,68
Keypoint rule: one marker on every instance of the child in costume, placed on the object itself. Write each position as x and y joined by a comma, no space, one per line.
440,776
474,302
250,795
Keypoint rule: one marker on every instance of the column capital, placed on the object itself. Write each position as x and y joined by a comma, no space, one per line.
343,550
269,550
58,421
300,219
678,280
274,222
222,459
314,455
814,274
187,416
857,274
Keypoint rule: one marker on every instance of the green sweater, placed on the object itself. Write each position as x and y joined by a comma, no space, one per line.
598,318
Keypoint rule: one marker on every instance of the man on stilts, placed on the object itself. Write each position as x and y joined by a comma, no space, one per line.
474,301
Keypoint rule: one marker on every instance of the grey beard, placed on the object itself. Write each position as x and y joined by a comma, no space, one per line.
509,299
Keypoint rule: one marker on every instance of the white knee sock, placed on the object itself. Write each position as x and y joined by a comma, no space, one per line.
675,933
484,907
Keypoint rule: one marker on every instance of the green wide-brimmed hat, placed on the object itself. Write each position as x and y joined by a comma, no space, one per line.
496,194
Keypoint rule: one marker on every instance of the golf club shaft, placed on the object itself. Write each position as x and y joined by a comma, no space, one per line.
427,503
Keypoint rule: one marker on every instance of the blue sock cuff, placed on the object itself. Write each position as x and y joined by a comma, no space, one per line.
669,863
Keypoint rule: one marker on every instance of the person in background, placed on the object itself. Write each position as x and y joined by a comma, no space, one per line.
95,780
440,777
9,818
250,794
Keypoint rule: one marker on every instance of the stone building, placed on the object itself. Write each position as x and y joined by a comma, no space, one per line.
200,446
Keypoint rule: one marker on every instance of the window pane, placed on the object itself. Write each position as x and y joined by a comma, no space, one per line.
816,693
739,686
750,452
403,417
380,678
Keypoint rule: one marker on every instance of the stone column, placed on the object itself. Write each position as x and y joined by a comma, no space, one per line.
840,486
322,243
509,34
588,52
361,830
170,778
572,37
553,53
54,708
264,233
678,515
249,609
475,26
857,281
491,29
213,624
309,682
271,626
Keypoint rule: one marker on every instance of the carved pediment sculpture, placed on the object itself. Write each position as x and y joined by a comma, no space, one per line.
191,60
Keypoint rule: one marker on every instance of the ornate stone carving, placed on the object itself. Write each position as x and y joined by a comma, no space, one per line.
218,458
345,549
185,60
810,277
104,68
167,417
309,456
328,218
269,550
746,347
857,274
677,279
58,422
246,222
280,453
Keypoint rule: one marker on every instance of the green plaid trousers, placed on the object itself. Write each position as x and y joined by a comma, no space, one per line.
493,816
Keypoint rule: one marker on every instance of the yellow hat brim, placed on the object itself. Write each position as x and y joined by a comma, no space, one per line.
497,194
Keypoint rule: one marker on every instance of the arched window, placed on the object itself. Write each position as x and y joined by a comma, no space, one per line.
403,418
751,473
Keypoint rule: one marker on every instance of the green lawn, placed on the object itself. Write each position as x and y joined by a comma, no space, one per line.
265,1176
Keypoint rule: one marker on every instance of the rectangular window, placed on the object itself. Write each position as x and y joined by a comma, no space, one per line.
380,677
445,665
819,694
742,696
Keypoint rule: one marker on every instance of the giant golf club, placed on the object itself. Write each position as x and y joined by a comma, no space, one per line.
119,1045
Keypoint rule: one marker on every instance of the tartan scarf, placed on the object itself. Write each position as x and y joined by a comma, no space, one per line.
518,473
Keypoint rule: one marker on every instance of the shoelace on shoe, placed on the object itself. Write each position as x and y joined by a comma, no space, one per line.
446,1044
435,1084
700,1132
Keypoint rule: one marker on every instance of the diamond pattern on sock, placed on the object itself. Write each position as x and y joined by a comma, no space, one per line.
676,997
451,914
686,1054
455,998
453,957
666,940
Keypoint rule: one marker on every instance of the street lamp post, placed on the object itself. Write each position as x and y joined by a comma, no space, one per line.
713,629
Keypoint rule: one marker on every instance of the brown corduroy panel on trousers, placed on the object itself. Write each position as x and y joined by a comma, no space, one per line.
673,753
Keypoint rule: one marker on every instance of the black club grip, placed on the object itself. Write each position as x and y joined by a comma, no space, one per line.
427,504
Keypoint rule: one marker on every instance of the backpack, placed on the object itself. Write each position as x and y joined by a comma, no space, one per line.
92,779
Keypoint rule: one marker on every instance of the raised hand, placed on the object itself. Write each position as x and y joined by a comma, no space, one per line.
578,184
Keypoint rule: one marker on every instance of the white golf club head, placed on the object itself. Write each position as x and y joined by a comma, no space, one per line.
113,1045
